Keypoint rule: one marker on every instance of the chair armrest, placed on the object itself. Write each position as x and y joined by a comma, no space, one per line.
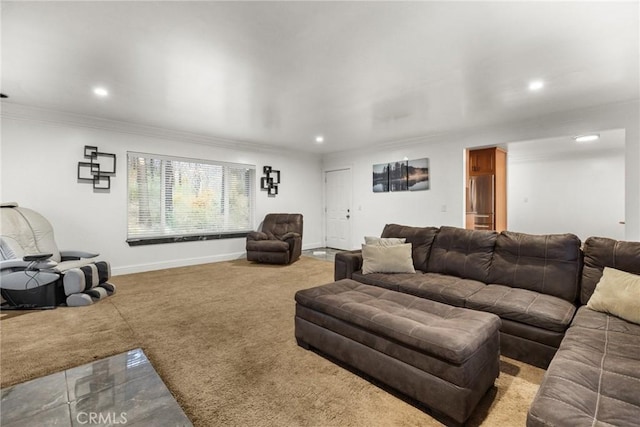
346,263
13,264
36,257
75,255
290,235
257,235
19,264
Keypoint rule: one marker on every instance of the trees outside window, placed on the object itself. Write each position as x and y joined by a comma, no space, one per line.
173,197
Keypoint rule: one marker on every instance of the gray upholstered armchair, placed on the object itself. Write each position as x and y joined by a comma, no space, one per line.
279,242
35,273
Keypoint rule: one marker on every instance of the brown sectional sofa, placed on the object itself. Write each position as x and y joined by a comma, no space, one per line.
539,286
531,282
594,379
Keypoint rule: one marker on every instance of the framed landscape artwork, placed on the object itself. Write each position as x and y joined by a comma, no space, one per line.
418,175
411,175
381,178
398,176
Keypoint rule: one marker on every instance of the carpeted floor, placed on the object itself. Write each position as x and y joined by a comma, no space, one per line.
221,337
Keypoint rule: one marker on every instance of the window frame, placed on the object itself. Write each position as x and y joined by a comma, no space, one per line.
191,237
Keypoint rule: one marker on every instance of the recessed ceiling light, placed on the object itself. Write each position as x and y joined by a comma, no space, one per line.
587,138
101,92
536,85
319,139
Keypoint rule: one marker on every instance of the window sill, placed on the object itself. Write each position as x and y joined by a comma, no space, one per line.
177,239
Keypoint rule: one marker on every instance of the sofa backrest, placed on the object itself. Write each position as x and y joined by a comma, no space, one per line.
550,264
421,239
462,253
601,252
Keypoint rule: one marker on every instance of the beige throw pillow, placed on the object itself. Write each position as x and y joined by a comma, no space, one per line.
617,293
384,241
387,259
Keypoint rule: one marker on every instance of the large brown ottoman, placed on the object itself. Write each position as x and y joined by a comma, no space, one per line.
444,357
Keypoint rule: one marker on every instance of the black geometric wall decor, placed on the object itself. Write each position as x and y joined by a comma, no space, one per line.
99,169
102,182
269,182
106,162
89,150
86,171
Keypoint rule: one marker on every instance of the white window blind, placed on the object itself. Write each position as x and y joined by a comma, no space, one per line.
172,197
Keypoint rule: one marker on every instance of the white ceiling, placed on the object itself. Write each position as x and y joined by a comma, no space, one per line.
610,143
280,73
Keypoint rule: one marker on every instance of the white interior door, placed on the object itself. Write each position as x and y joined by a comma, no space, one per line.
338,208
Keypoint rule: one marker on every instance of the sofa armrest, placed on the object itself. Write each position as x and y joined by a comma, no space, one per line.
346,263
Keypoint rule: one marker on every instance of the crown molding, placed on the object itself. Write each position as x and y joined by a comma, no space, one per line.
22,112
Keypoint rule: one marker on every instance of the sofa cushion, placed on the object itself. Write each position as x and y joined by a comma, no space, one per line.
463,253
436,287
601,252
421,239
524,306
387,259
267,246
549,264
450,290
384,280
594,377
617,293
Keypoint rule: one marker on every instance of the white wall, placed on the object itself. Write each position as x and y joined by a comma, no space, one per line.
438,206
446,152
40,153
583,194
39,160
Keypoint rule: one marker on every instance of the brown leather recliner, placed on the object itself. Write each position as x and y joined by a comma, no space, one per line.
279,242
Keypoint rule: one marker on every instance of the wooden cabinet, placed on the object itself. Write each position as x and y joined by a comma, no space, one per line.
482,162
486,188
500,174
469,221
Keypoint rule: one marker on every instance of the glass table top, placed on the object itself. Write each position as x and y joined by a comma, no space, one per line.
120,390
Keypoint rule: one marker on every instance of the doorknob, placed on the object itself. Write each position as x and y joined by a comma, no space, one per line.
348,216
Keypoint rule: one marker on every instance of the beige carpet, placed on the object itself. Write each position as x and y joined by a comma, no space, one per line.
221,337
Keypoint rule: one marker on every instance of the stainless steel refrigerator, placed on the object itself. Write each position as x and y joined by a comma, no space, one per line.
481,201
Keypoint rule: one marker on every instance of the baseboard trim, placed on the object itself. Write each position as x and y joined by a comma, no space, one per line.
312,246
161,265
141,268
